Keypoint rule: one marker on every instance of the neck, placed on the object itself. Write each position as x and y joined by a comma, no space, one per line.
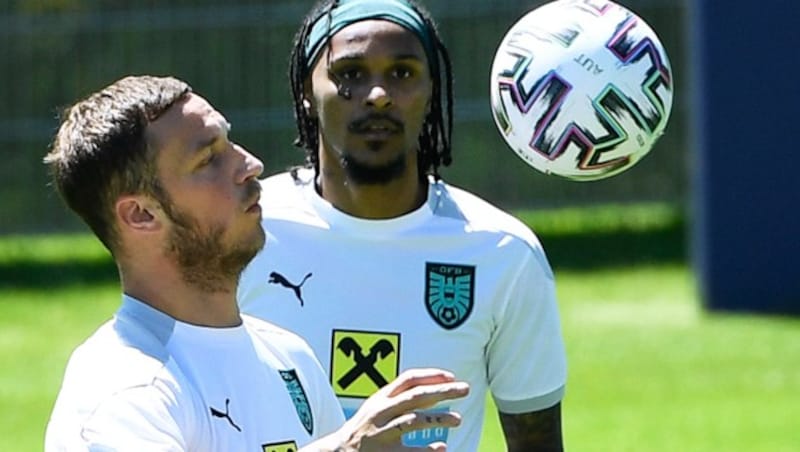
372,201
402,192
163,288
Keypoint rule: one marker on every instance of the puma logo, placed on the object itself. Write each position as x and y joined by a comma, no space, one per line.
225,415
277,278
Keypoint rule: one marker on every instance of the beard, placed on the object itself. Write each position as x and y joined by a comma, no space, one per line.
365,174
204,260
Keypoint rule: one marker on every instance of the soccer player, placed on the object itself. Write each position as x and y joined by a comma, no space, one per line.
376,261
150,167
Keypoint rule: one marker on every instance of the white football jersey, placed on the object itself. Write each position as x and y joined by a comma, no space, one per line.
457,284
145,381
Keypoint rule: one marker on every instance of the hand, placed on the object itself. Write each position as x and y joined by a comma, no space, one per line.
394,410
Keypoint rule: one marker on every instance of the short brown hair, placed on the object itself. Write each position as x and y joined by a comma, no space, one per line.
100,151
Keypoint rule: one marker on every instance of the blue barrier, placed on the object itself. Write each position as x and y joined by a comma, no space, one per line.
746,172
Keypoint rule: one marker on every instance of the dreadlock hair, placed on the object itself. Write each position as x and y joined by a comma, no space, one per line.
435,139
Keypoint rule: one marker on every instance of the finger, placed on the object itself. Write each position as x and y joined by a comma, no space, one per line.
416,377
426,396
420,398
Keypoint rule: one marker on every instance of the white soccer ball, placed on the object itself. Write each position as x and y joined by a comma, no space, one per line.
581,88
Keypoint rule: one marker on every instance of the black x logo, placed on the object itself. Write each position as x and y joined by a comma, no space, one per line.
364,364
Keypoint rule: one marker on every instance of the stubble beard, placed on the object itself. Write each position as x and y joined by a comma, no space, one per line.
204,261
365,174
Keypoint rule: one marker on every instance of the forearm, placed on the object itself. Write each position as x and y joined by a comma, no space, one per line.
538,431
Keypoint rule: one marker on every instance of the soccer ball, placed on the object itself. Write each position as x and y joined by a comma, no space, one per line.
581,88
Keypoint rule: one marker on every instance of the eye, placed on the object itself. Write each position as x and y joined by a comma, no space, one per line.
212,155
402,72
209,158
350,74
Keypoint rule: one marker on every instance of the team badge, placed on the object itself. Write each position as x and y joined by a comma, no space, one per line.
449,292
363,361
299,399
288,446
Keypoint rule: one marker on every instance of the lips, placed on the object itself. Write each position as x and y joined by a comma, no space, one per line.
253,196
255,206
376,125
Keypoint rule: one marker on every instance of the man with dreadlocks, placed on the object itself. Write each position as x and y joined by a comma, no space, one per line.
378,263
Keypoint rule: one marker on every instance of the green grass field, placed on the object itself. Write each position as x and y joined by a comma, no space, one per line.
649,369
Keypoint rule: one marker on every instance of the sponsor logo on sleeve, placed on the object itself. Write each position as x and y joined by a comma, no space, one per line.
298,396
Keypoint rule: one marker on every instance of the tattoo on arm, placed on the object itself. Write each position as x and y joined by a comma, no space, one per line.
539,431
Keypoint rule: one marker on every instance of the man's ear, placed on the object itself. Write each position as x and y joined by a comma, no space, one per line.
138,213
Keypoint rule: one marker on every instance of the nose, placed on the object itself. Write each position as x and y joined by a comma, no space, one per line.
378,97
252,166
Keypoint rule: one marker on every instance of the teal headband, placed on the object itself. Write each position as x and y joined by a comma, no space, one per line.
351,11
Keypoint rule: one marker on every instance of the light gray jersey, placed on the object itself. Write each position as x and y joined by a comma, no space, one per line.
145,381
457,284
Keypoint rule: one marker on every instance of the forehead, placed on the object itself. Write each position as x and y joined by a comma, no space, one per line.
366,37
186,125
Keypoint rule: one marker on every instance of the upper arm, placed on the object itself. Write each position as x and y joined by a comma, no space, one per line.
533,432
527,360
526,357
141,418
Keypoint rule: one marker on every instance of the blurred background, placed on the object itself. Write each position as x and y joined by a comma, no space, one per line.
235,53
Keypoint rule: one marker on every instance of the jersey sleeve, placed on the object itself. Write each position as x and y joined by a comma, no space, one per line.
134,419
526,356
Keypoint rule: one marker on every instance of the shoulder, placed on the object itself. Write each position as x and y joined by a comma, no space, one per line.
479,215
505,232
129,351
112,378
118,355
